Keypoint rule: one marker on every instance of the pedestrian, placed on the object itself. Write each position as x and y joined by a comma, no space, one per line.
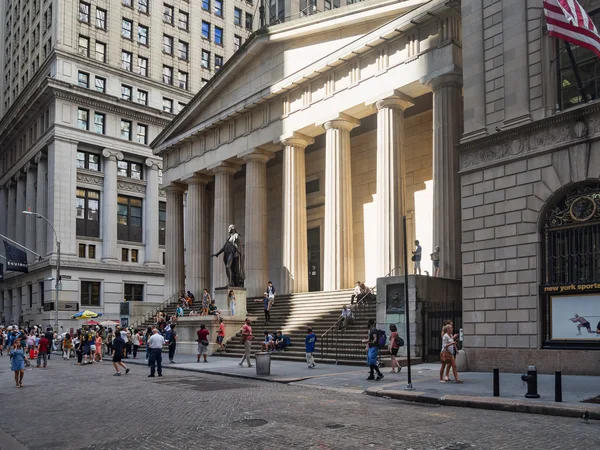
172,343
247,341
78,345
202,334
309,342
232,302
416,257
118,346
267,308
67,345
137,339
148,335
205,302
271,293
394,347
49,334
373,351
17,364
42,349
268,344
1,341
155,343
109,340
221,335
123,332
435,258
447,354
179,312
86,346
98,352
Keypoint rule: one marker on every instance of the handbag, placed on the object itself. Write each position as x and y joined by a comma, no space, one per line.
205,343
93,347
445,357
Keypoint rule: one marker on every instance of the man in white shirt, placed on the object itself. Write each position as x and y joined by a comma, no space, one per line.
155,342
124,337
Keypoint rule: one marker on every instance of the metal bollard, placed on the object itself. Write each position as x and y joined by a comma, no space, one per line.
531,380
558,386
496,383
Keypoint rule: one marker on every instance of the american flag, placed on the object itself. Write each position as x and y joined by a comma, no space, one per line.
567,20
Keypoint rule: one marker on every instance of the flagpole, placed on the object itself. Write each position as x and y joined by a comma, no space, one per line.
575,71
19,245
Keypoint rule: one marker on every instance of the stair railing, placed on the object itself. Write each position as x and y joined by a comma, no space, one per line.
153,312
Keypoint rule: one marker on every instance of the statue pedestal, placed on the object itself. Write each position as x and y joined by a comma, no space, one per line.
222,301
188,326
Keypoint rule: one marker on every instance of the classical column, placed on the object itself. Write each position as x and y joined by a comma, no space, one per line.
223,217
339,245
197,253
3,216
294,248
174,258
10,210
30,203
109,206
447,129
151,208
256,219
41,202
20,206
390,176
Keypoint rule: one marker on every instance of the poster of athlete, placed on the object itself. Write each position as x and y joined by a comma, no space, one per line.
575,317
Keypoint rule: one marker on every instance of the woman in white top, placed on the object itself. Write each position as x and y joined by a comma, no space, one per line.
447,354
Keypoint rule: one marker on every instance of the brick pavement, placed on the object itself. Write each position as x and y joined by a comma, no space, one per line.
88,408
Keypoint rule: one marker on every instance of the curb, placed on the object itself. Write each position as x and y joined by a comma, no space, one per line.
496,404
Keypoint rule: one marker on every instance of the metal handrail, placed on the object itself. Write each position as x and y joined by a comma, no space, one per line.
153,312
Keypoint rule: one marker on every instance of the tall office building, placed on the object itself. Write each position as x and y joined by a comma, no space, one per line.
87,86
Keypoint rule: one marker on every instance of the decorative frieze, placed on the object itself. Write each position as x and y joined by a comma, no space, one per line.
88,178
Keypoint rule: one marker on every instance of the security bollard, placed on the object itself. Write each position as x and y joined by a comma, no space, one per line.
558,386
496,383
531,380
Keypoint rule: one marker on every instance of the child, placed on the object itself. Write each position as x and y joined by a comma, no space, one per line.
17,364
268,344
310,341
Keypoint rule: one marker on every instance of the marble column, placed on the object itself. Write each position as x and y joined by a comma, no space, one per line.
10,214
30,204
174,257
339,239
151,212
3,216
390,181
109,206
223,217
20,206
447,129
294,248
41,203
256,256
197,253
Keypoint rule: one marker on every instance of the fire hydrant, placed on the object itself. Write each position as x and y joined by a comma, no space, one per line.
531,380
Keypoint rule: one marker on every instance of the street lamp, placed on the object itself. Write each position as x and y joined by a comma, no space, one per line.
39,216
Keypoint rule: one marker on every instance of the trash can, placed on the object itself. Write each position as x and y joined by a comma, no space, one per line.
263,363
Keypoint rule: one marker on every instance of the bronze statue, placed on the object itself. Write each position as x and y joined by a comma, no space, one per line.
233,258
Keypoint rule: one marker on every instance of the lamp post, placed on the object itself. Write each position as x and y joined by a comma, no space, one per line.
39,216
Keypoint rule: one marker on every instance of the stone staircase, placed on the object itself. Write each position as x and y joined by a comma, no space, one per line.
292,314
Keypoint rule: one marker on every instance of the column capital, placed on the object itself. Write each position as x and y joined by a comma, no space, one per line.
17,176
298,140
153,163
197,178
224,167
341,121
175,187
392,99
30,166
256,154
453,79
112,155
38,157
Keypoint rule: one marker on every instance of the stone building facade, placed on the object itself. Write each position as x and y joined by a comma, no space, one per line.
529,169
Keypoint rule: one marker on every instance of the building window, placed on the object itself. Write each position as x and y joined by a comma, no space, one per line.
160,176
126,129
83,79
167,44
162,222
218,36
41,291
100,52
205,60
82,250
183,80
143,66
129,169
129,218
90,293
237,42
184,20
206,30
125,255
126,92
100,84
126,60
167,75
143,35
168,14
91,251
89,161
167,105
219,8
183,50
143,6
134,255
142,135
83,119
84,46
142,97
84,12
133,292
218,62
99,119
100,18
237,16
88,213
126,27
206,5
327,6
127,3
249,20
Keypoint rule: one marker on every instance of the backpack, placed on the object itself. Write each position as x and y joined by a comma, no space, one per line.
286,341
381,338
399,341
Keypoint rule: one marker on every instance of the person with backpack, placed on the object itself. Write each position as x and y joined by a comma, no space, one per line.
395,343
373,342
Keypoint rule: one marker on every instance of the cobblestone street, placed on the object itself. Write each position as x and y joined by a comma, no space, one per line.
86,407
